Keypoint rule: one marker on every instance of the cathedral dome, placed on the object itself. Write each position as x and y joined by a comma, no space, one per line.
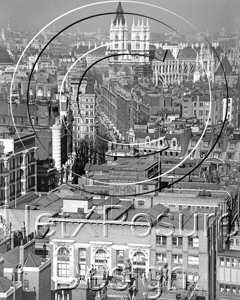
4,57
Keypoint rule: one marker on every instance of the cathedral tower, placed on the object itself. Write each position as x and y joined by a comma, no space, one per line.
139,44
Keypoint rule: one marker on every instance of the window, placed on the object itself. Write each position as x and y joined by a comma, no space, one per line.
176,259
116,190
228,262
227,288
194,113
42,181
63,270
222,261
116,40
161,257
140,202
63,258
234,290
234,262
139,259
193,242
193,260
201,104
200,112
232,146
195,104
137,42
120,257
177,241
100,256
161,240
207,112
205,144
221,288
82,255
174,143
145,187
180,207
237,242
26,284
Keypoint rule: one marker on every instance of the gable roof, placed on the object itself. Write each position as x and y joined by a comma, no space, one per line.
5,285
187,53
225,67
33,261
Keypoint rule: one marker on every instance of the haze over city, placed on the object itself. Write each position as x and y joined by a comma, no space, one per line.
204,14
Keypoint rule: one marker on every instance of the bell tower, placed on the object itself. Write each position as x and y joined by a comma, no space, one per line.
128,57
118,40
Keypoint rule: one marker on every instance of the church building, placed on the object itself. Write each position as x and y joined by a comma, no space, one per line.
131,53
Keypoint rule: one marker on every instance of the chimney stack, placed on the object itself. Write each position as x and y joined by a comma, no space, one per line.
12,240
24,230
27,219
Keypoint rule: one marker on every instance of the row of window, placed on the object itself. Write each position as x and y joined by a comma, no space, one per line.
190,207
101,259
90,137
230,262
235,242
177,259
177,241
87,121
229,289
86,113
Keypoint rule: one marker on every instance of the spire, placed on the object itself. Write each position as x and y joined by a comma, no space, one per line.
142,23
133,24
147,23
119,14
138,24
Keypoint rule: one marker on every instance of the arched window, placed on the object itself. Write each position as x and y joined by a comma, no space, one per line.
139,262
100,256
147,139
116,42
145,43
128,190
137,39
63,262
116,190
101,261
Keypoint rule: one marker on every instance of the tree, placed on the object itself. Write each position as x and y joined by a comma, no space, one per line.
88,151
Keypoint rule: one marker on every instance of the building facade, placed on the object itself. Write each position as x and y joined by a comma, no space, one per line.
18,166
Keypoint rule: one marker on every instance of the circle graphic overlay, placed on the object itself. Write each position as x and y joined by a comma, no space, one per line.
209,86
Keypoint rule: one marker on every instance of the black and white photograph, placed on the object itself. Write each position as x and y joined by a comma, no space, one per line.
120,150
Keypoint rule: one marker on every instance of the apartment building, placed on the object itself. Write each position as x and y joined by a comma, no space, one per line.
18,166
84,112
74,250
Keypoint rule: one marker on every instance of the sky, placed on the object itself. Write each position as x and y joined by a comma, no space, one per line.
205,15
